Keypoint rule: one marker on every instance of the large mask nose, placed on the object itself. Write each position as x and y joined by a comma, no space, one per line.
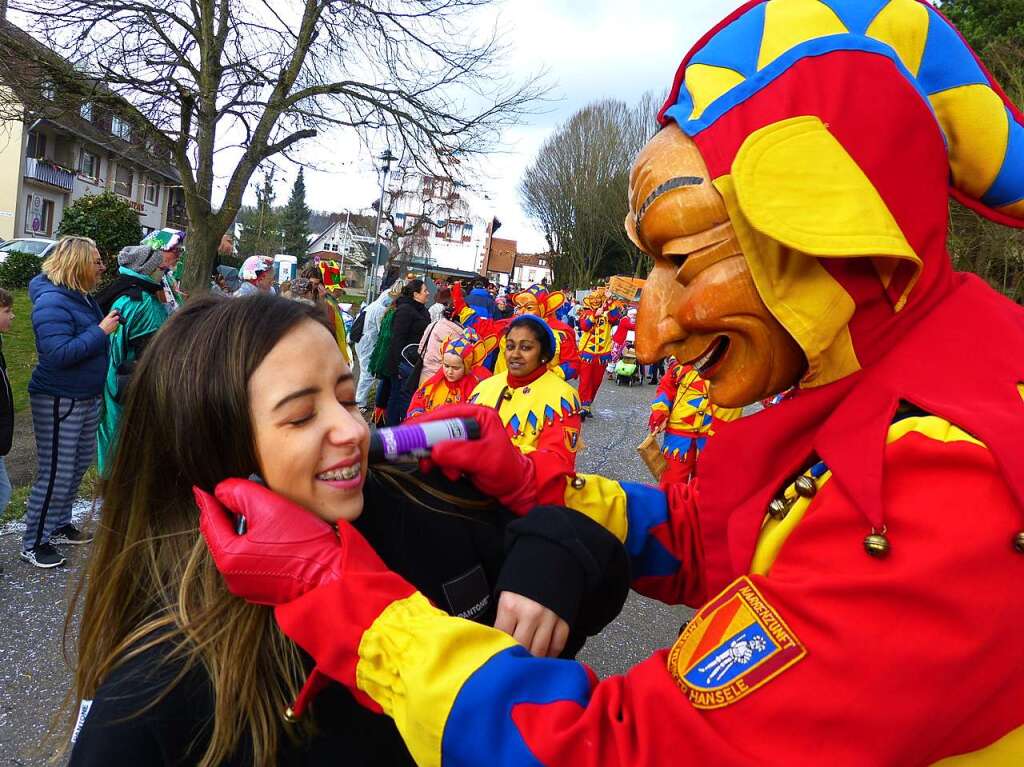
655,325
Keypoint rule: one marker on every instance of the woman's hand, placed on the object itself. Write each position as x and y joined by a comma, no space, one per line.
109,323
530,623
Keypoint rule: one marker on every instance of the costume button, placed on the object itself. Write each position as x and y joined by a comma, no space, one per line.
805,486
578,483
877,545
778,508
1018,542
289,716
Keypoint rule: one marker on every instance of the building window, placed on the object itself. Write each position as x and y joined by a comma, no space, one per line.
541,262
89,165
38,215
152,191
47,91
86,111
124,181
120,128
36,148
455,230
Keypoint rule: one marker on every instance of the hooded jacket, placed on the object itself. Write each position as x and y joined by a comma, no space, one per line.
71,347
411,319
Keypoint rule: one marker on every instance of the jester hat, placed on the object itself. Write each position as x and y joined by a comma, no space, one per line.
547,302
468,345
832,129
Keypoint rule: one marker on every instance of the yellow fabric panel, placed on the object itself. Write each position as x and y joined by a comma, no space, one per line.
1008,751
802,296
413,661
706,83
775,532
788,23
1015,210
973,117
903,25
1020,390
602,500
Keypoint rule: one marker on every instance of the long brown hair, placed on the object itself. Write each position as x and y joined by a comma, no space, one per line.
150,578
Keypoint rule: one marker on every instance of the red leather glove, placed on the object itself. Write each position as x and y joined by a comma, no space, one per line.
492,463
657,420
329,585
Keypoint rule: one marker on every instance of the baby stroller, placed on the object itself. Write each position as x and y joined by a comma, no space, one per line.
627,369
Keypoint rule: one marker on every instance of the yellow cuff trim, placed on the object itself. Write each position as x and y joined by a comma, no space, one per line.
602,500
413,662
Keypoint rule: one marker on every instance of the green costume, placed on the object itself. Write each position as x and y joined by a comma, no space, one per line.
142,314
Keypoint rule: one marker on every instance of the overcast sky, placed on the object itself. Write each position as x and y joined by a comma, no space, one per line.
591,50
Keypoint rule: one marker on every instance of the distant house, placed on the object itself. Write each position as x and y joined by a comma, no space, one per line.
67,147
347,244
533,269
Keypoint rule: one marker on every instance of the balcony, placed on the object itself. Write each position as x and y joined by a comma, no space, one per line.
48,173
138,207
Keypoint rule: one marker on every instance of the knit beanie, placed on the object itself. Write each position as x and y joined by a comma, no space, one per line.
139,258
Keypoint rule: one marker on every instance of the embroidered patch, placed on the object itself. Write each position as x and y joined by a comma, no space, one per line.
733,645
572,439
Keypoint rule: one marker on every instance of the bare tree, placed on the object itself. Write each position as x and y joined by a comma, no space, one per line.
252,79
577,188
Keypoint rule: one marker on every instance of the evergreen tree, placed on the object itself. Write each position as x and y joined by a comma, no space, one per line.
295,220
261,226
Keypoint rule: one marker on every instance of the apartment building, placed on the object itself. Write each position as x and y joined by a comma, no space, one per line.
63,149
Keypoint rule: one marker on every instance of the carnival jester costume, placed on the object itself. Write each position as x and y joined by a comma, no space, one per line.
682,408
597,323
854,552
438,390
536,300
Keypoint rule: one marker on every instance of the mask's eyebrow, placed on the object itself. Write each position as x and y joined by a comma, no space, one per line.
668,186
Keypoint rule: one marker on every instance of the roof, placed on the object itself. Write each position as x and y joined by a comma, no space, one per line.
419,266
533,259
24,66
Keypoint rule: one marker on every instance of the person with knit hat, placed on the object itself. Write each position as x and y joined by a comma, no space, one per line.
257,276
138,294
855,552
462,355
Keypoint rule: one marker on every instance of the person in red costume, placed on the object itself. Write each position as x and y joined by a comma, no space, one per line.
854,552
621,334
681,409
536,300
597,322
460,372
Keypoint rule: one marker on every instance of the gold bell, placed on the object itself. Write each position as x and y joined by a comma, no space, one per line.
1018,542
289,716
578,483
778,508
805,486
877,545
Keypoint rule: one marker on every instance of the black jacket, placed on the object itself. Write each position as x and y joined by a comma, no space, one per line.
407,326
459,559
6,407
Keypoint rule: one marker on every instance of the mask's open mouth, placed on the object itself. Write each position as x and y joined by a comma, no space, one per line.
706,363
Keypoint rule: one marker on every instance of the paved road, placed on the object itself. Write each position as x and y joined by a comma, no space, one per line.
34,676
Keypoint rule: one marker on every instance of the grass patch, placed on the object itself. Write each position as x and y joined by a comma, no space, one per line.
19,498
20,349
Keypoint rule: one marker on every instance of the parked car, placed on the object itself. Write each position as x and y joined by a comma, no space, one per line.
37,246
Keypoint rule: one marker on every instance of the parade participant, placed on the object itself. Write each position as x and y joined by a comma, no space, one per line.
170,242
534,300
849,550
539,410
336,319
367,340
174,670
682,410
597,321
626,326
458,375
256,276
411,318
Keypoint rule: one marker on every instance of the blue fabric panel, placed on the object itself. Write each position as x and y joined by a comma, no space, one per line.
738,45
646,508
484,733
1009,184
818,47
947,62
857,15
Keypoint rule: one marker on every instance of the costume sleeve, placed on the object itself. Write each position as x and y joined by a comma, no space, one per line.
586,320
665,397
418,405
568,356
840,642
555,457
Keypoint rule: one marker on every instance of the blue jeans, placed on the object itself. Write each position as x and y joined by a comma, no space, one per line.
5,487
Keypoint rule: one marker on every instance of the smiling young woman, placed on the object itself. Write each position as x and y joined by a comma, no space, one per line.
177,670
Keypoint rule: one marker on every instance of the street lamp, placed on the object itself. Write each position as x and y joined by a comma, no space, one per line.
387,158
